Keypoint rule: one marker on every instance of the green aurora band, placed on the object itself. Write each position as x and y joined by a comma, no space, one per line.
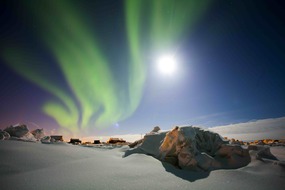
98,99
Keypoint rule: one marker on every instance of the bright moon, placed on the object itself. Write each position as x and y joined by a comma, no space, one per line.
167,64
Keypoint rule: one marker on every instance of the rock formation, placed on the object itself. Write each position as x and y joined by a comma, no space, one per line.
38,133
4,135
192,148
17,131
262,152
21,132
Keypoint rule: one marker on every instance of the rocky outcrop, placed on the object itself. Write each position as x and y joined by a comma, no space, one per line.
17,131
38,133
262,152
21,132
265,153
4,135
192,148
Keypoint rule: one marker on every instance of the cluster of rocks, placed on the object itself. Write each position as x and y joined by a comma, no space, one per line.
192,148
21,132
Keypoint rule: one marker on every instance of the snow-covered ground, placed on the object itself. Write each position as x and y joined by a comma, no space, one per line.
26,165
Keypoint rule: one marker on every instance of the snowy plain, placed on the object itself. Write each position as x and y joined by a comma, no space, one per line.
27,165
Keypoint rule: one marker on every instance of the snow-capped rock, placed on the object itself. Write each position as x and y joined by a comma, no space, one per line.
192,148
17,131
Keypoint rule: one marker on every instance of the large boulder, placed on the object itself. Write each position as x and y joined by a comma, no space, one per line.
192,148
38,133
17,131
4,135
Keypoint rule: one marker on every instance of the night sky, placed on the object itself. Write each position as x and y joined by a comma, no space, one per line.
90,67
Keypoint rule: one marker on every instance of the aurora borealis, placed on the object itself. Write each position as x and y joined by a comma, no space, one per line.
102,100
92,62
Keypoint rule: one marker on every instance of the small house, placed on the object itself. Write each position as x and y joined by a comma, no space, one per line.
74,141
115,141
97,142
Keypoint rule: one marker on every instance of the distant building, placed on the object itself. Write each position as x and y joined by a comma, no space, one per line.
86,143
97,142
115,140
75,141
56,137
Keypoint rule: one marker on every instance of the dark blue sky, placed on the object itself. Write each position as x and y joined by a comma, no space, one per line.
231,69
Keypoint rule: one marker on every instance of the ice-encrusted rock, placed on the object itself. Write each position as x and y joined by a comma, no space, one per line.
4,135
192,148
38,133
17,131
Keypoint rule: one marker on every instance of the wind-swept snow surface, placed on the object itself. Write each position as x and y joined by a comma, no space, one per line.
26,165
